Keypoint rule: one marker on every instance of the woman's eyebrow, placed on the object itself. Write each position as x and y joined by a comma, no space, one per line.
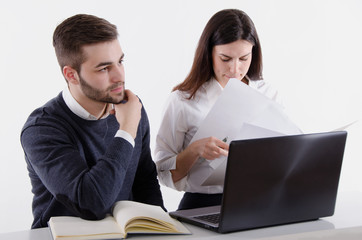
224,55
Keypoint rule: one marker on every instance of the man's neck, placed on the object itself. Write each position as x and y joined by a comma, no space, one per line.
95,108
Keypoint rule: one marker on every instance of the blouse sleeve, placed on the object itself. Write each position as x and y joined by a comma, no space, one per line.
170,140
265,88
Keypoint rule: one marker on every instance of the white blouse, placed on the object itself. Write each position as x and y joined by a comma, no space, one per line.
181,120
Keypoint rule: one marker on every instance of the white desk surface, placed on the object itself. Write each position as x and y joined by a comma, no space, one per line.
346,223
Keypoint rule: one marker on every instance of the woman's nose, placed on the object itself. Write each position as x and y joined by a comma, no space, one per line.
234,67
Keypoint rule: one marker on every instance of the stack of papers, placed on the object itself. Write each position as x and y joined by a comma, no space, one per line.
242,112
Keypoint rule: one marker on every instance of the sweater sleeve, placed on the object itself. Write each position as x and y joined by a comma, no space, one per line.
146,188
88,192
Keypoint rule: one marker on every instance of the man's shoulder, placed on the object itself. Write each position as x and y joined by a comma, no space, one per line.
47,113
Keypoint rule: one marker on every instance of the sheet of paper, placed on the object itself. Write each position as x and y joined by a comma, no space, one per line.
345,126
247,131
239,104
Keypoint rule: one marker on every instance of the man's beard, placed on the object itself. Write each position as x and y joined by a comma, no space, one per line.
99,95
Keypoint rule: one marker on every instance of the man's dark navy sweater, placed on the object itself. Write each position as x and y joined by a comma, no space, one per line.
79,168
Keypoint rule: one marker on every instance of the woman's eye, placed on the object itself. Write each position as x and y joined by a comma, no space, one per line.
225,59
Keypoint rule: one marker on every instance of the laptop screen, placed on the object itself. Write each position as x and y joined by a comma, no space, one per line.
284,179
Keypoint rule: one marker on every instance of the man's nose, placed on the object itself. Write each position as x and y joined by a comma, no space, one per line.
118,74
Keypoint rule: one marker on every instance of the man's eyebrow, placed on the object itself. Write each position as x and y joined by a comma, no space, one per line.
102,64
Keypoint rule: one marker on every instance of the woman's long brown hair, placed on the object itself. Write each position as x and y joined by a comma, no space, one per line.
224,27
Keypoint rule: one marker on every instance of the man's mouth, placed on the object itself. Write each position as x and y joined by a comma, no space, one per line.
117,90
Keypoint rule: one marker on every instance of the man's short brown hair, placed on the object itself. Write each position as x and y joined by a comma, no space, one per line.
77,31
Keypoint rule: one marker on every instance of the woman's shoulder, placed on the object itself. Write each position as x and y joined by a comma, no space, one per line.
185,96
175,101
261,85
177,95
266,89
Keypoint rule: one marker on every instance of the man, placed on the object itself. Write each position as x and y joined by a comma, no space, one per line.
89,147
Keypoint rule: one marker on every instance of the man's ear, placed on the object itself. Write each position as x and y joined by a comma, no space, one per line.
71,75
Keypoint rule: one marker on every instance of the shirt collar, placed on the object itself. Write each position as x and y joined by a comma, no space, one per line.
76,108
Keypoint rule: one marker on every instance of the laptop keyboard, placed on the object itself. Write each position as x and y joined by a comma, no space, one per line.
212,218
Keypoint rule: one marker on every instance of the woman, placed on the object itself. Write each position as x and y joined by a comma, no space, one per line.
228,48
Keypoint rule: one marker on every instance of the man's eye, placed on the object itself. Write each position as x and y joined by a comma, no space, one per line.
103,69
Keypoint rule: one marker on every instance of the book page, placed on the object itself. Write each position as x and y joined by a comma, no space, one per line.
77,228
135,215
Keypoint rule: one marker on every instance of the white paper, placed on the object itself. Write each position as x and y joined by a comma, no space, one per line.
345,126
247,131
242,113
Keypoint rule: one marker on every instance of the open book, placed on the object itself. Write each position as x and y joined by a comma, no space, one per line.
128,217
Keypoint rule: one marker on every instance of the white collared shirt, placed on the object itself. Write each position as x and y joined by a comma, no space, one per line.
180,122
78,110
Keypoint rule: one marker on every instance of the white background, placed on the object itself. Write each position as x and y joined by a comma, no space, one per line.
312,54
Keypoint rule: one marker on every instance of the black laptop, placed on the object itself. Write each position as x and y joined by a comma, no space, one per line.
273,181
